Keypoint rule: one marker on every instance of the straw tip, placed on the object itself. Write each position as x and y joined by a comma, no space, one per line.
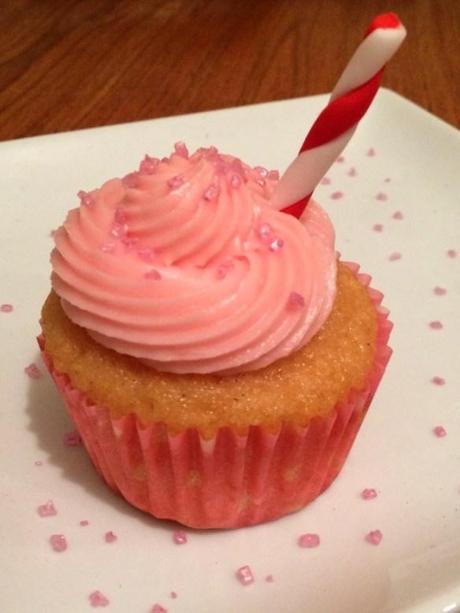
385,21
297,209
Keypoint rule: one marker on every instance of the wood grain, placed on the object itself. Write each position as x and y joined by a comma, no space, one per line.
76,64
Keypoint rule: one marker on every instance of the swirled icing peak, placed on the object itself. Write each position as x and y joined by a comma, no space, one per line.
186,266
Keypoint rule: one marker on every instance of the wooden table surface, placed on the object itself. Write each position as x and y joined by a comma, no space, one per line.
68,64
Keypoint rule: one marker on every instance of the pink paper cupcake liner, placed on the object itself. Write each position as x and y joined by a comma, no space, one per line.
231,480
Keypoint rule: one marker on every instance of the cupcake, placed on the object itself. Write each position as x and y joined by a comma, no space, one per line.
215,355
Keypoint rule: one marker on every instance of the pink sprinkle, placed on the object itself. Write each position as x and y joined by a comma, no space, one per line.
38,463
378,227
382,197
438,380
72,439
175,182
394,256
439,291
374,537
173,594
47,510
277,244
352,172
157,608
265,232
244,575
97,599
6,308
451,253
108,247
146,254
119,230
436,325
398,215
340,159
325,181
179,537
211,192
263,172
308,540
84,522
86,198
237,166
337,195
273,175
224,268
181,149
131,179
153,274
296,300
110,537
58,542
439,431
269,579
368,494
260,182
235,181
33,371
370,152
148,165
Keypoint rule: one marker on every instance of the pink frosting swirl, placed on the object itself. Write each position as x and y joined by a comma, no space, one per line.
186,266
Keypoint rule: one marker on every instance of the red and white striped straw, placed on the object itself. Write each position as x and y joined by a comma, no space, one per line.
336,124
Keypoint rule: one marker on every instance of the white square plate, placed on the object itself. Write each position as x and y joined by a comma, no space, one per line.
416,567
